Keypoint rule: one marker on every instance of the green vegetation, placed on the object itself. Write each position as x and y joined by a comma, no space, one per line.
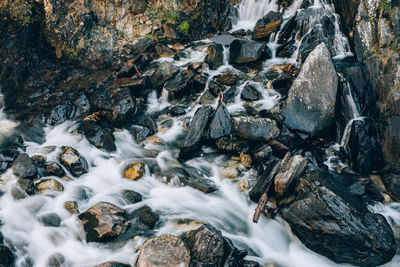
121,34
184,27
384,5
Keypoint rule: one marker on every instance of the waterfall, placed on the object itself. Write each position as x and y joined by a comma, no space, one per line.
6,126
249,11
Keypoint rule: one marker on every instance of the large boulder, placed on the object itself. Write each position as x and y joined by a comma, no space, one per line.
196,130
103,222
73,161
243,51
257,129
311,102
267,25
334,226
166,250
287,174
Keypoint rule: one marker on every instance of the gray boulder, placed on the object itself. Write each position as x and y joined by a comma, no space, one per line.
311,102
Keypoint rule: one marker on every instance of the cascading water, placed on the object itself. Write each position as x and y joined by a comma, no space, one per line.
228,209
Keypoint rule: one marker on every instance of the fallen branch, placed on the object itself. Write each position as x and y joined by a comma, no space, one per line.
222,96
137,70
264,197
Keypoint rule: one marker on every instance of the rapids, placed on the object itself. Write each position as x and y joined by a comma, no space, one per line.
227,209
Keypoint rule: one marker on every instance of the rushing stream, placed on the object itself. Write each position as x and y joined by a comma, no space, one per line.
228,209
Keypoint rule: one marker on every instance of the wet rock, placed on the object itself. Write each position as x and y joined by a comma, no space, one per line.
56,260
250,93
7,257
290,171
71,207
220,123
131,197
362,146
49,185
223,39
261,153
230,94
229,172
267,25
202,184
97,133
166,250
39,160
282,84
163,51
196,130
215,56
227,78
113,264
50,219
26,185
391,143
103,222
60,113
232,144
207,98
311,101
243,185
54,169
146,216
257,129
164,72
180,84
392,184
186,225
333,227
208,247
265,178
3,164
245,159
242,51
134,171
176,111
74,162
287,49
24,167
139,133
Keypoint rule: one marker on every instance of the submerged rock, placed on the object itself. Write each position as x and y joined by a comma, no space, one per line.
196,130
24,167
242,51
267,25
75,163
103,222
257,129
166,250
146,216
311,102
54,169
332,226
134,171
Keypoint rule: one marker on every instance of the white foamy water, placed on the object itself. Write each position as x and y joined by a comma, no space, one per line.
6,126
227,209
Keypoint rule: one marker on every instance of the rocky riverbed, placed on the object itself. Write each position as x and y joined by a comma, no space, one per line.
199,133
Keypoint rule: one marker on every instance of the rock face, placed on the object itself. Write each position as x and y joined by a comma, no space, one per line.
375,27
311,102
250,93
208,247
166,250
242,51
74,162
103,222
333,226
257,129
196,130
24,167
267,25
94,33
